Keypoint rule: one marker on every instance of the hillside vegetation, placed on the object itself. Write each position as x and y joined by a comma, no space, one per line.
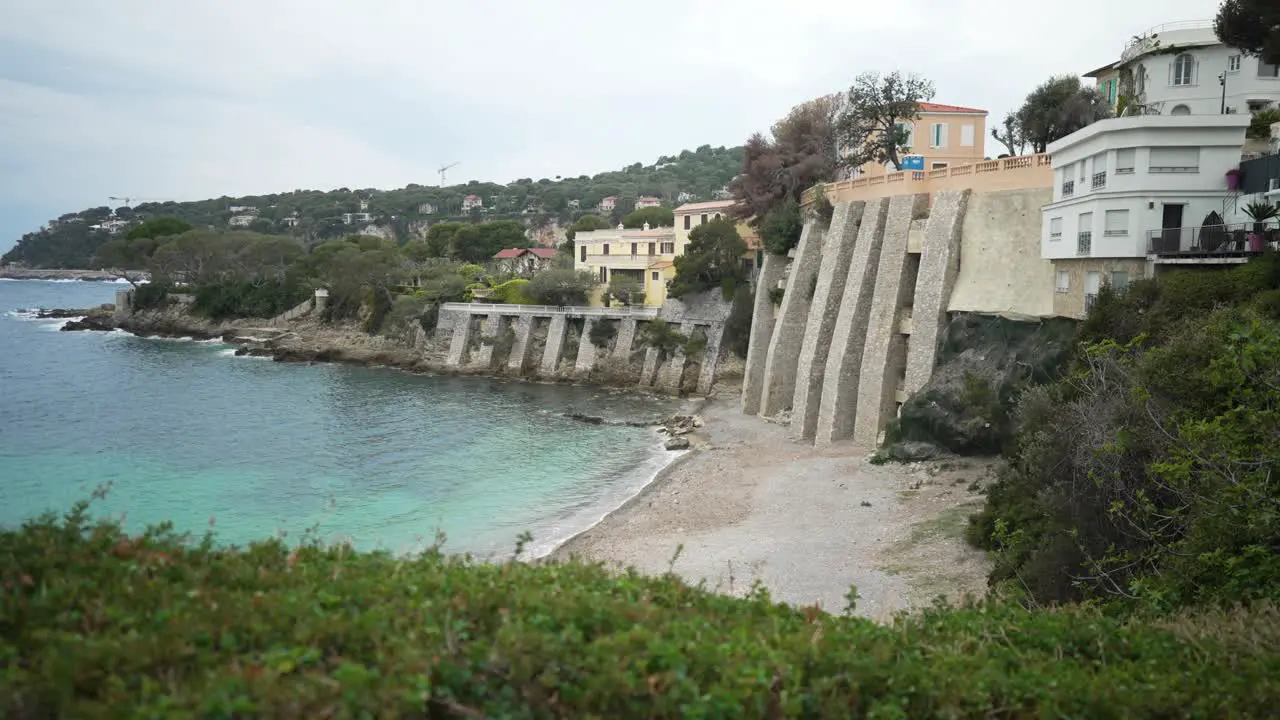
97,623
1144,480
400,215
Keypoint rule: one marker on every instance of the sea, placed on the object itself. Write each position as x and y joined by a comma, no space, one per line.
184,432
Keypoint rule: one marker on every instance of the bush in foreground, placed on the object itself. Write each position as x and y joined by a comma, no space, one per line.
94,623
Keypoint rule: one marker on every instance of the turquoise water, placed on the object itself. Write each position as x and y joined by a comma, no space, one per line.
186,432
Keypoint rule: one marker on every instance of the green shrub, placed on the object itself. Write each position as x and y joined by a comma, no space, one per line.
737,328
512,292
94,623
150,296
380,302
247,299
603,332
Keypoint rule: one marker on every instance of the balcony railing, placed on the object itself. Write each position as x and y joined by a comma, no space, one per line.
1099,180
1068,188
1089,300
1084,243
1213,241
622,257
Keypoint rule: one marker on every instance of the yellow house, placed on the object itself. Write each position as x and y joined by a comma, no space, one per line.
945,135
648,255
1107,78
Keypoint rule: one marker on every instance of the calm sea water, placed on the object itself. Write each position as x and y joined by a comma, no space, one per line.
186,432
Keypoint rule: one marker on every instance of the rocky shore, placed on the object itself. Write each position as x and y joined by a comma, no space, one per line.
14,273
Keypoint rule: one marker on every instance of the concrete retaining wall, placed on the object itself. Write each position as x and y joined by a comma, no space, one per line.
1001,272
939,264
762,321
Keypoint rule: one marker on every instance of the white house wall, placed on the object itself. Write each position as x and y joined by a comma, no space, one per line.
1146,212
1204,95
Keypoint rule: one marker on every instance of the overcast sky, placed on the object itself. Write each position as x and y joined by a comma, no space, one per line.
188,99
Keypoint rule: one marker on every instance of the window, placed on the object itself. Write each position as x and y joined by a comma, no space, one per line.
1267,70
653,247
908,132
604,274
1174,159
655,275
1055,228
1233,63
688,220
1117,223
1180,110
703,220
938,135
1084,238
668,248
635,248
966,135
1184,70
604,249
1124,161
1063,282
717,217
1081,165
582,254
937,165
1099,171
1119,279
1140,77
1113,88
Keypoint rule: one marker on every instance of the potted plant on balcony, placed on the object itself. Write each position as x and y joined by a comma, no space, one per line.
1260,213
1233,179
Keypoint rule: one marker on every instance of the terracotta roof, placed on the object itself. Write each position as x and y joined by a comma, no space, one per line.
699,206
1101,70
938,108
472,197
544,253
661,265
509,253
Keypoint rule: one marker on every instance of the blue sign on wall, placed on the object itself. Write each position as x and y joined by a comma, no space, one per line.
912,162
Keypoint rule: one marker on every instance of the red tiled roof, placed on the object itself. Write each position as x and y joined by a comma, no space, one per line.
938,108
509,253
544,253
472,197
710,205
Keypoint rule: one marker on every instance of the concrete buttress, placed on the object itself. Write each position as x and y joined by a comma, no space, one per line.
823,311
838,403
519,358
762,320
939,264
884,356
554,349
788,332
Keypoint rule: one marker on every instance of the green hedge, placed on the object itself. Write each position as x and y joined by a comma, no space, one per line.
245,299
97,624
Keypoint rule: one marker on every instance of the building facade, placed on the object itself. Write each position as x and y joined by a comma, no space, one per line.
1131,193
945,135
1183,69
524,261
471,201
646,202
646,256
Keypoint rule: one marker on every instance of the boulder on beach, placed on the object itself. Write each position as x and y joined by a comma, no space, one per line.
677,443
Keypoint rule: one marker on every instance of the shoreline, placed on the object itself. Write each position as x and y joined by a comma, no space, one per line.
59,275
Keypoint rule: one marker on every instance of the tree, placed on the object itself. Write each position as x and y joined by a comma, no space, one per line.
158,228
1013,137
1252,26
586,223
626,289
870,127
781,227
558,286
439,242
714,256
1260,127
800,153
654,216
1058,107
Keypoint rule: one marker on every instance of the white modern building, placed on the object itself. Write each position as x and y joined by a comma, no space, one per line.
1182,68
1134,192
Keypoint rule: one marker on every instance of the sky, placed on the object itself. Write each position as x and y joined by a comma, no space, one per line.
187,100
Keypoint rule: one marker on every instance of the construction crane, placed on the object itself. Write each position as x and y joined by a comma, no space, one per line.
129,201
446,167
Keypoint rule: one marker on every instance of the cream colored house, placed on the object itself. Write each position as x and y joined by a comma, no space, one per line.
945,135
646,256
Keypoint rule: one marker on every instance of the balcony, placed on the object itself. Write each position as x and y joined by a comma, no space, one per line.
639,260
1100,180
1084,244
1068,188
1212,243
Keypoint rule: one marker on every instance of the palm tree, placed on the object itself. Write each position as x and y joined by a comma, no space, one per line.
1260,213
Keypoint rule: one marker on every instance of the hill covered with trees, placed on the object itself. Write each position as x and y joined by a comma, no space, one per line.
314,216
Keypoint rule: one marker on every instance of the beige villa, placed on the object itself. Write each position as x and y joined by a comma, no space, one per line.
946,135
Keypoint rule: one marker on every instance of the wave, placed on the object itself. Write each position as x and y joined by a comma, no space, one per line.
231,353
112,281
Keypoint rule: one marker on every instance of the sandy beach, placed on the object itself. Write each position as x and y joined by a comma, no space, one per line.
748,503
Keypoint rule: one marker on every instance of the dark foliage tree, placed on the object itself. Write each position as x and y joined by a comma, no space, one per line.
559,286
800,152
1011,134
1058,107
654,216
868,129
1252,26
781,227
714,256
